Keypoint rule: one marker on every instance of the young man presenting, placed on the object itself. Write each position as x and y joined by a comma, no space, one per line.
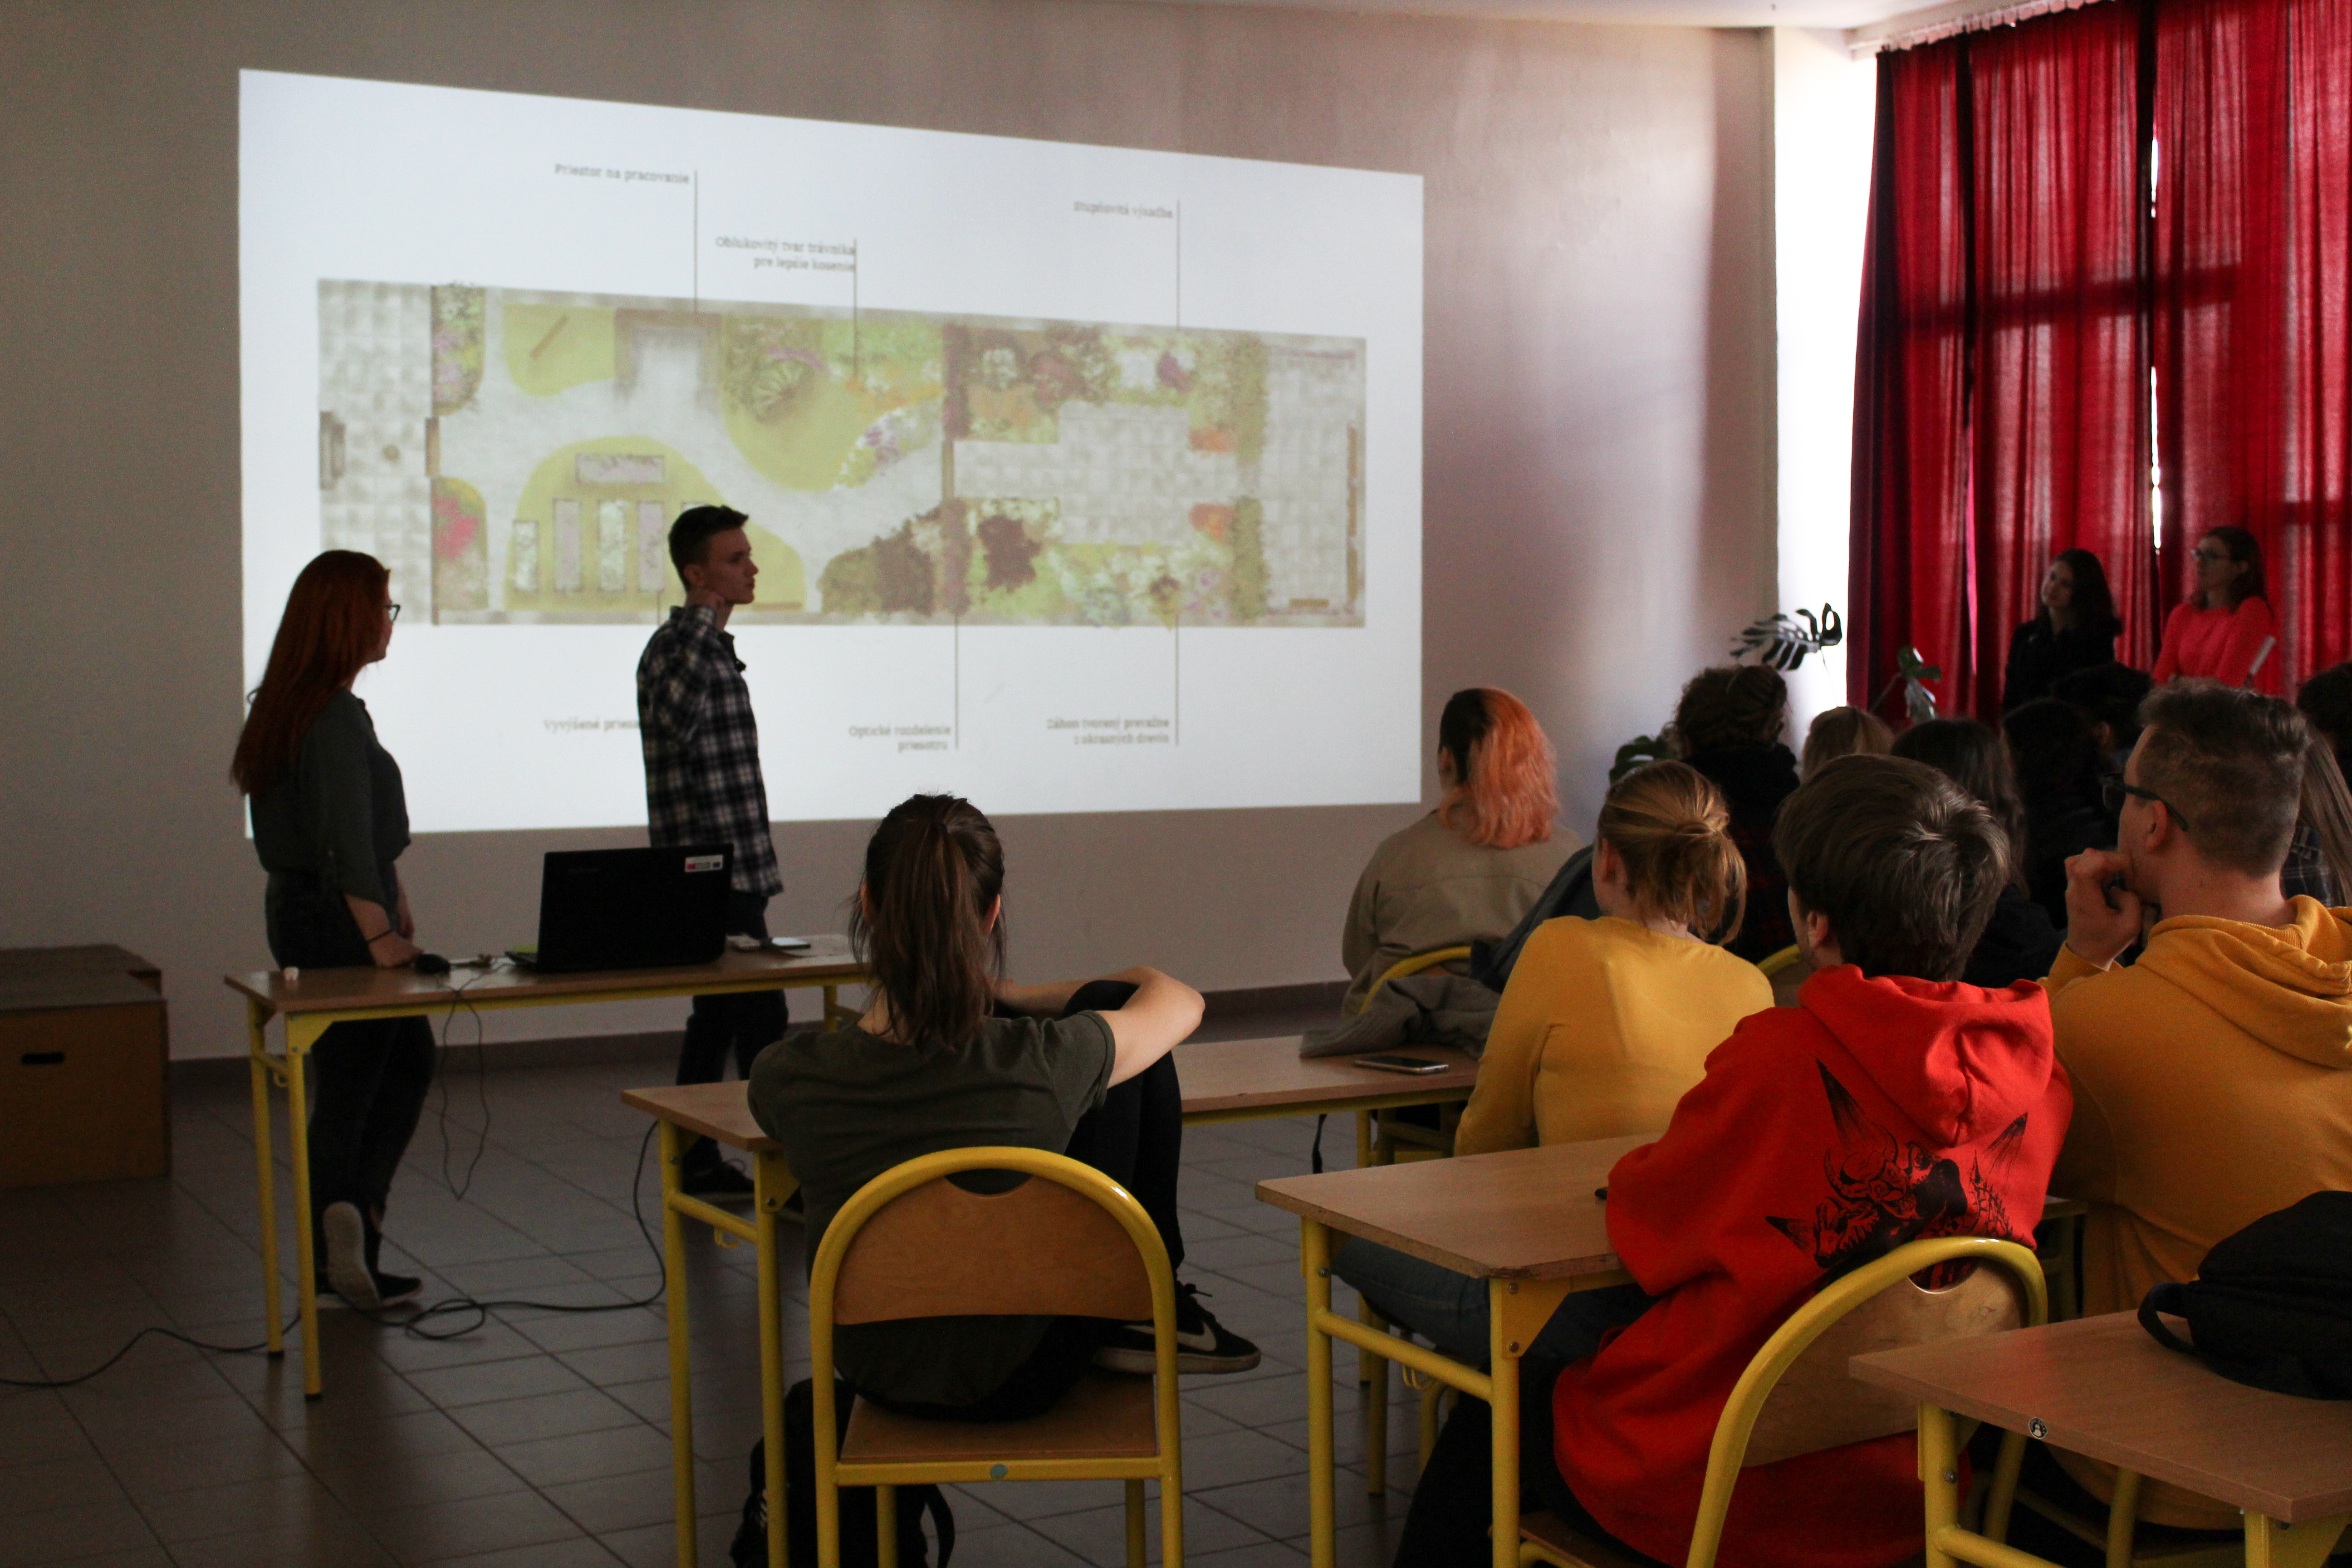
1892,1103
703,786
2213,1078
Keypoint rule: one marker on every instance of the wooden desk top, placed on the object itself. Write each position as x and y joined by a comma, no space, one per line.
1529,1214
40,991
717,1110
827,962
2103,1387
1252,1074
103,955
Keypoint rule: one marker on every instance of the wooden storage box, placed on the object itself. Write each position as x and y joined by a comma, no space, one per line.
85,1090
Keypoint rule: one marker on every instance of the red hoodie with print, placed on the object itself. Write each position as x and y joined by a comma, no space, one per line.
1875,1111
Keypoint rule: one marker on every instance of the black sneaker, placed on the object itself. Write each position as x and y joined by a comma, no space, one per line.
1203,1343
394,1288
718,1179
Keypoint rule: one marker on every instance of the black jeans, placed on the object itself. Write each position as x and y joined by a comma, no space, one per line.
1135,1137
740,1024
1452,1517
372,1076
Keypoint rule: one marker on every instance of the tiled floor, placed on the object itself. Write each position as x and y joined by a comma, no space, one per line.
541,1440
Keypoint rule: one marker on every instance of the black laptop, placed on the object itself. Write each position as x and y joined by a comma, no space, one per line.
630,908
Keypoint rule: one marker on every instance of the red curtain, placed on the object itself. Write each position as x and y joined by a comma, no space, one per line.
1907,584
2252,278
2002,407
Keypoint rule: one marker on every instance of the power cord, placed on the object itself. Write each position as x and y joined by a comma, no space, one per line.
415,1323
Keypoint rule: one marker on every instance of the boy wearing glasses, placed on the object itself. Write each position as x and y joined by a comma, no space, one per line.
2213,1078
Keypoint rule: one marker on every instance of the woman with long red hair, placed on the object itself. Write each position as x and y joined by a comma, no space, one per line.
1469,870
329,818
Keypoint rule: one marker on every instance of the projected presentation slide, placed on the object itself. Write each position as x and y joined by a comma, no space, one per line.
1079,479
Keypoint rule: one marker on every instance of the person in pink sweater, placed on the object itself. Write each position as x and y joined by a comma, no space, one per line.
2224,630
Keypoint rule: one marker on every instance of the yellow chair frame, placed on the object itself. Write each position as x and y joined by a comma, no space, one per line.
1775,964
833,1473
1807,1323
1380,1143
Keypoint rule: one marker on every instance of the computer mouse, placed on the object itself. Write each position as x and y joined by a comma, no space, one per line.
429,963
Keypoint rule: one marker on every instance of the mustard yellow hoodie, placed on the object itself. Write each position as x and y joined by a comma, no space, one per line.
2212,1086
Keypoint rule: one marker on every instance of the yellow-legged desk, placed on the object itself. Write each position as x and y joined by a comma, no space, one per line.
322,998
1525,1221
1230,1081
722,1112
2102,1387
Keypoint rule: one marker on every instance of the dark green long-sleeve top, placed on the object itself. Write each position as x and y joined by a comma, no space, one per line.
339,814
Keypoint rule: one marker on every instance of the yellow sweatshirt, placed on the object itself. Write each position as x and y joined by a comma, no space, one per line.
2212,1086
1604,1026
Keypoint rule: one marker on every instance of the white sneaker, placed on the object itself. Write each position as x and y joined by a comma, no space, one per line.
348,1274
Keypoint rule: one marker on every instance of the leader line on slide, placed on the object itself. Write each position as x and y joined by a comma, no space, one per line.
1001,414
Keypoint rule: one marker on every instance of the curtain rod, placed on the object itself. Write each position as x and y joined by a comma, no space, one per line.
1938,22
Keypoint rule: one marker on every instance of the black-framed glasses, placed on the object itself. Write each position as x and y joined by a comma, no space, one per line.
391,613
2117,790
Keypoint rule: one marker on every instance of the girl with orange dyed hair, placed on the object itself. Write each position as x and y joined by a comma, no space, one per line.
1469,870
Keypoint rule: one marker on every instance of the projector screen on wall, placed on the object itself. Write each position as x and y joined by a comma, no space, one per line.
1079,479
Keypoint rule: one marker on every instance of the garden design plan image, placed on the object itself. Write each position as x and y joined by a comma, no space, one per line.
517,456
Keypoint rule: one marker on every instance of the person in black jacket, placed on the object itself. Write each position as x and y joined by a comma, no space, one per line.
2075,630
1731,725
2058,773
2020,941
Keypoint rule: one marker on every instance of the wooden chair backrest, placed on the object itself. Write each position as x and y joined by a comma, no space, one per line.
1817,1405
1041,1248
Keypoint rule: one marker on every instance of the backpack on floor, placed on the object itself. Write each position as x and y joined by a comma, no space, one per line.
859,1545
2272,1306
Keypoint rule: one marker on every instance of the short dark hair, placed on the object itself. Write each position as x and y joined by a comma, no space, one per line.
2107,694
690,535
2326,700
1903,864
1732,708
2232,760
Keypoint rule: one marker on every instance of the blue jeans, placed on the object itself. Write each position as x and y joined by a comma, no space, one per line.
1449,1309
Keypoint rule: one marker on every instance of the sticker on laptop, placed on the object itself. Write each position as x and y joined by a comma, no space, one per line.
706,862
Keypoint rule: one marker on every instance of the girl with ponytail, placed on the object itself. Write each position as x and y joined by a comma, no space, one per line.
1604,1026
949,1054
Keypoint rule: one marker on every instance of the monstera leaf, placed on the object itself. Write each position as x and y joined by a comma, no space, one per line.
1912,673
1782,641
1634,752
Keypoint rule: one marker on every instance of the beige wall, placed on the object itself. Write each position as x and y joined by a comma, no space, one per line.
1598,458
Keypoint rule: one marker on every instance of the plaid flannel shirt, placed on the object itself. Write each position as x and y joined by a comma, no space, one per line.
702,748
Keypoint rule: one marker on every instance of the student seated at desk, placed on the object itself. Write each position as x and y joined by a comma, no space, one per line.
1606,1022
1891,1103
949,1056
2213,1078
1470,869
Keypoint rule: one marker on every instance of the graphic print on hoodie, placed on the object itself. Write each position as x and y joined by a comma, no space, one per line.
1875,1112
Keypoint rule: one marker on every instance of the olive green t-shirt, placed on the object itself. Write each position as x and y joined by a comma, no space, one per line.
846,1107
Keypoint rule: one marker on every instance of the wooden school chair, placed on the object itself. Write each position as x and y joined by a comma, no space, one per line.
1796,1397
1068,1242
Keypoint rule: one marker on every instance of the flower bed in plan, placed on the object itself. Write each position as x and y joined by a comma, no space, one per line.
517,456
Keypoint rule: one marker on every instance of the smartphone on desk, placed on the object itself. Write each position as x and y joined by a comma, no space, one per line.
1387,1061
783,944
